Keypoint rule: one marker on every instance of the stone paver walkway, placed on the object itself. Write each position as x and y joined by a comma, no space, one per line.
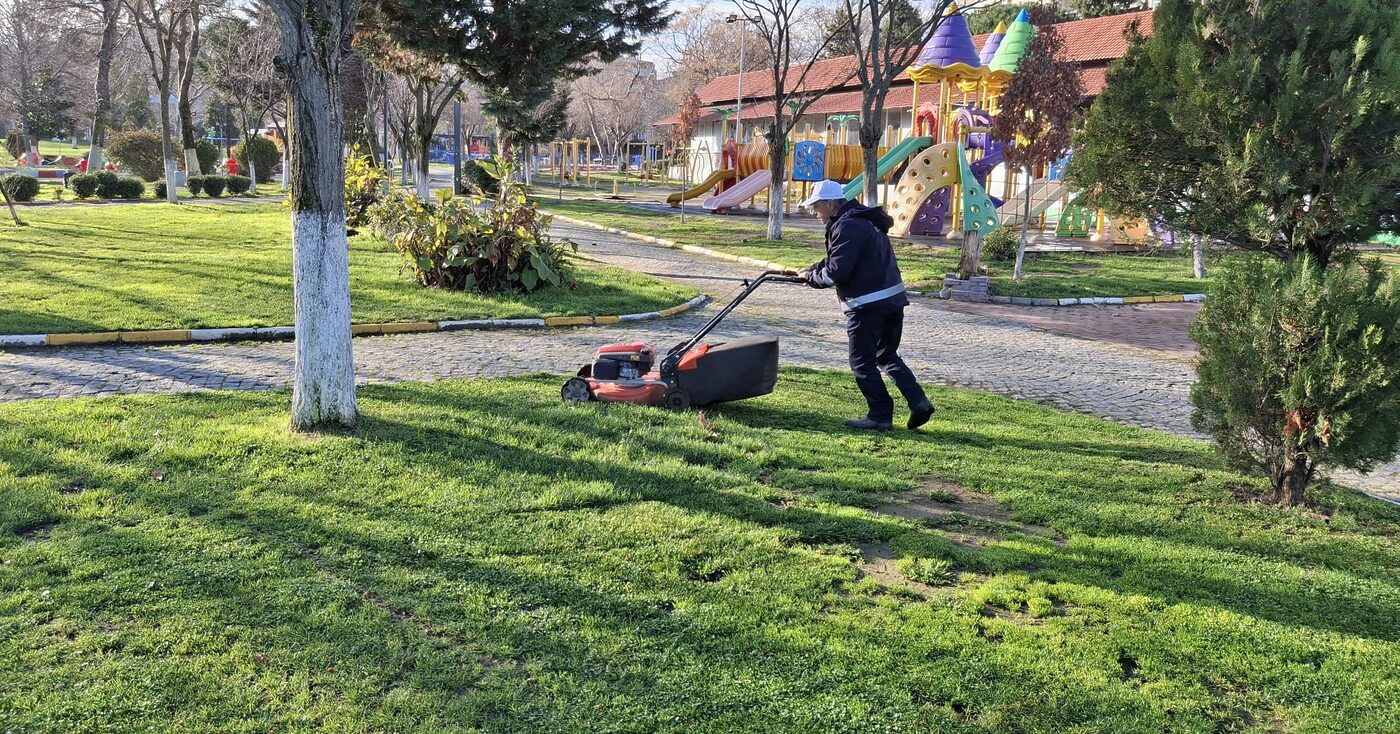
982,350
1162,329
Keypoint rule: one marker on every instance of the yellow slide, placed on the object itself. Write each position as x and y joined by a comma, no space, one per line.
699,189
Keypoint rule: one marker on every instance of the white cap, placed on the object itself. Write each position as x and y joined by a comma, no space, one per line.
827,190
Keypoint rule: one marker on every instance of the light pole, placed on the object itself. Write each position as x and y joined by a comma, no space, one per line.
739,101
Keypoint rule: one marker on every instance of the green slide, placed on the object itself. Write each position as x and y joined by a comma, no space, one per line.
890,161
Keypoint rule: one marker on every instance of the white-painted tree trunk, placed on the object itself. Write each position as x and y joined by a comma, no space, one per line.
323,384
323,376
192,163
170,177
286,170
421,174
94,158
1198,257
1025,230
253,174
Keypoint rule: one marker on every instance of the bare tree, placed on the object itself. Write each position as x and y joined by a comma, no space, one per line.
618,104
314,34
26,59
701,46
158,24
237,61
187,52
884,48
105,17
430,85
783,25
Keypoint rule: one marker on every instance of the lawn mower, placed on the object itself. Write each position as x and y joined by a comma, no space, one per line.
691,373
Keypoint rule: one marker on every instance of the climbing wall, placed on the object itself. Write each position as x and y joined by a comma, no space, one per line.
932,217
979,214
929,171
1075,221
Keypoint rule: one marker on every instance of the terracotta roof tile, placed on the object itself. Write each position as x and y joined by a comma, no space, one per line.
1086,41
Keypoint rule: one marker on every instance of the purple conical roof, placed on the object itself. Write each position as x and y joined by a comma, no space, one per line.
989,49
951,43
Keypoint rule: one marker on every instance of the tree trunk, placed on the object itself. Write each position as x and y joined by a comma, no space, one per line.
5,194
1291,481
870,158
424,149
102,87
1198,257
189,51
323,384
167,146
970,259
777,167
1025,231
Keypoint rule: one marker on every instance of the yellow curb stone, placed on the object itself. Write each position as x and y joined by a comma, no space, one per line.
406,327
362,329
568,321
1178,298
602,320
102,337
143,337
1137,299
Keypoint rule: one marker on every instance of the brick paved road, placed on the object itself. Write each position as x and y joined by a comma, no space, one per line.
1162,329
982,350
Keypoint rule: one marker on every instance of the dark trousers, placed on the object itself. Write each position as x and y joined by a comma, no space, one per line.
873,337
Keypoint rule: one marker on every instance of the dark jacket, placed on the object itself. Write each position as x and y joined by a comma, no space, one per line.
860,260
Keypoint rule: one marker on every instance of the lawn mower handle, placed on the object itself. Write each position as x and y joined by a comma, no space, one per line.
668,364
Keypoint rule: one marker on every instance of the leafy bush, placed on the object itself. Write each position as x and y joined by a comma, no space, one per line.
107,183
138,151
131,187
194,185
264,153
458,245
1001,243
215,185
479,178
239,185
931,571
365,184
1299,368
161,190
208,155
84,185
20,187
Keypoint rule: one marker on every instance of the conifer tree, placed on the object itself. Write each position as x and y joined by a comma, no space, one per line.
1271,126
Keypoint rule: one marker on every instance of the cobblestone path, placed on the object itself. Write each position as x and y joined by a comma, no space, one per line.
975,348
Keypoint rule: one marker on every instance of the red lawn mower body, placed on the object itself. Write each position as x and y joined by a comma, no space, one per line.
691,373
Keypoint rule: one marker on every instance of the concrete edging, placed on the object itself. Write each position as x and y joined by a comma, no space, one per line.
1008,300
269,333
1098,300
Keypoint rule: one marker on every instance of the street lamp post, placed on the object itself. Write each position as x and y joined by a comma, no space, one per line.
739,94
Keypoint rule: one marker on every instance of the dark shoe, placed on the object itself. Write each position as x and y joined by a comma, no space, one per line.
865,424
919,414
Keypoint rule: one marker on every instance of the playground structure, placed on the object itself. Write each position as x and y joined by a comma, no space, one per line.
938,179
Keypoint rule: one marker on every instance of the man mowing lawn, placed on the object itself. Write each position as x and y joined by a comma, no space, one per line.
860,263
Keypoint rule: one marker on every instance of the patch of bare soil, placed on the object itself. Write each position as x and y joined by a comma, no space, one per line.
877,561
969,518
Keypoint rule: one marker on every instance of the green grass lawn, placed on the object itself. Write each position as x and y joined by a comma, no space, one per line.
61,147
155,266
1059,275
478,556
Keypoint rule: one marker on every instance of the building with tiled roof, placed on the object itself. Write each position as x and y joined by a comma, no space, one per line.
1093,42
